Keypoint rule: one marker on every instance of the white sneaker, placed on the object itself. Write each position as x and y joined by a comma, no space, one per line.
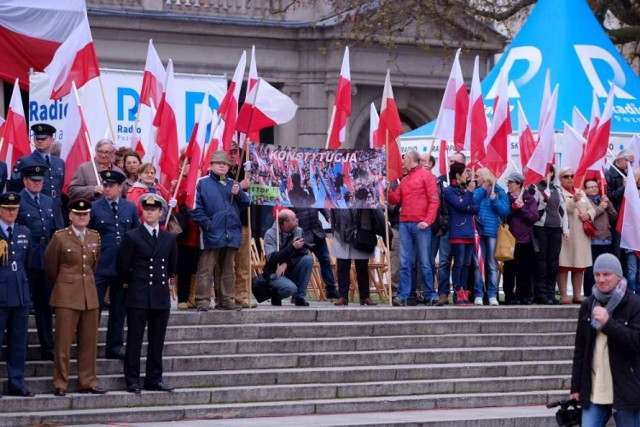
477,301
493,301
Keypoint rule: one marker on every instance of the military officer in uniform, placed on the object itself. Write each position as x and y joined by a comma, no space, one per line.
148,259
37,214
112,216
54,167
15,300
70,263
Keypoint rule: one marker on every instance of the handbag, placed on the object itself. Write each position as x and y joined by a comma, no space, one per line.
173,226
589,228
261,287
363,240
505,244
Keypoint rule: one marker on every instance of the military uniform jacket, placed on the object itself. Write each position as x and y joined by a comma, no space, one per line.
112,229
41,221
3,175
147,264
14,285
70,265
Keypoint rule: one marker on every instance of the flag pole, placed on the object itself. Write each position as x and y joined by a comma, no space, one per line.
86,134
331,122
433,141
386,214
106,108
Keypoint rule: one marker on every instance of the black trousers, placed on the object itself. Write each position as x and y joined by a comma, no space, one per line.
40,294
549,242
156,323
117,312
362,276
187,266
518,274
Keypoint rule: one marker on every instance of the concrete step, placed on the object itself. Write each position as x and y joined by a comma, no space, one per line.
188,410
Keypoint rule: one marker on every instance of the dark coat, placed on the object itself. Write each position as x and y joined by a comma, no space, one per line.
3,176
41,221
623,337
310,223
147,264
615,187
14,285
112,229
521,220
461,207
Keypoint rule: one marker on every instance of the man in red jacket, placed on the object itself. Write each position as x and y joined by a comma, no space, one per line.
418,196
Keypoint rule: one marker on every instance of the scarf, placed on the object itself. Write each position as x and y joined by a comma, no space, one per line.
571,190
595,199
610,301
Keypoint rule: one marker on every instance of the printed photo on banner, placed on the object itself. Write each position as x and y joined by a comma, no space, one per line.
317,178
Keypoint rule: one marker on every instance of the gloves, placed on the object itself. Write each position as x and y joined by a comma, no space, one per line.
173,203
394,185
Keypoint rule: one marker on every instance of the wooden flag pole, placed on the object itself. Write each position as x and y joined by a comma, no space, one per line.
331,123
386,215
86,136
106,108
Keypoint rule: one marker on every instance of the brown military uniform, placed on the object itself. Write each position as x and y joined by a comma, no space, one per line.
70,265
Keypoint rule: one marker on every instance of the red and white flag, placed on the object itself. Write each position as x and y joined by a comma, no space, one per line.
1,127
442,159
342,105
229,106
215,142
374,120
16,136
578,122
597,141
153,78
74,61
75,145
253,80
497,142
629,218
634,145
196,149
264,107
452,118
595,116
572,147
389,129
476,119
526,141
546,96
542,158
165,121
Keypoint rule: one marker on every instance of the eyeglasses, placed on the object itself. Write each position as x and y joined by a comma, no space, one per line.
104,152
567,176
592,187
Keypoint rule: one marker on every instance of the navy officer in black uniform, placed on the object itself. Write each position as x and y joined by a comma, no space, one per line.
43,138
147,259
15,301
112,216
37,214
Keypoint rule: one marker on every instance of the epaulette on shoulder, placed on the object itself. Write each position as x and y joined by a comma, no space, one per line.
62,230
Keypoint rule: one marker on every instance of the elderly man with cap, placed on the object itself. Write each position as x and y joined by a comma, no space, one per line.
112,216
84,183
15,241
54,169
606,360
37,214
219,201
71,260
147,258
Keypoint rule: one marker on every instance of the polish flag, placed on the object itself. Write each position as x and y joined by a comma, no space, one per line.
30,33
497,142
165,121
253,80
526,141
374,120
629,217
75,143
452,118
1,127
264,107
572,147
195,151
136,142
578,122
442,159
15,141
389,129
74,61
229,106
476,119
542,158
597,141
634,145
595,115
546,96
153,78
215,142
342,105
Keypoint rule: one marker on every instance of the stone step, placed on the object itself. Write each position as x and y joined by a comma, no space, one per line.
188,410
323,375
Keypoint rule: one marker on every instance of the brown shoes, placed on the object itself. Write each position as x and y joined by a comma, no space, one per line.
367,301
342,302
246,304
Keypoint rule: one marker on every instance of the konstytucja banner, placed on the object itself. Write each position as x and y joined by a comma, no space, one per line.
318,178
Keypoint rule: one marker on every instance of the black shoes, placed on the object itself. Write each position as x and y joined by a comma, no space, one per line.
20,392
276,301
332,293
60,392
435,302
159,386
116,356
134,388
301,302
399,302
47,355
93,390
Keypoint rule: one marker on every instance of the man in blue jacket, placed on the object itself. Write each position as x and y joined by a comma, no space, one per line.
217,212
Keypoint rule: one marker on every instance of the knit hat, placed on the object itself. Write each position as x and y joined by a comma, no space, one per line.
608,262
516,177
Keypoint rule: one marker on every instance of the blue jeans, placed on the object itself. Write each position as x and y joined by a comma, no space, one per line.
415,245
462,254
321,251
598,416
488,247
633,272
444,265
294,281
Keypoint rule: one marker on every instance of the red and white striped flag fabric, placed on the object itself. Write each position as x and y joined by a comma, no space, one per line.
196,149
526,141
478,247
452,118
229,106
578,122
165,121
16,136
389,129
253,80
264,107
215,142
572,147
374,120
153,78
633,145
497,142
136,143
629,218
342,104
1,127
476,120
546,96
74,61
75,145
442,159
542,157
595,116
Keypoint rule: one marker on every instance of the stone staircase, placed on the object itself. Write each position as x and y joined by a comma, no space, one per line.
326,360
